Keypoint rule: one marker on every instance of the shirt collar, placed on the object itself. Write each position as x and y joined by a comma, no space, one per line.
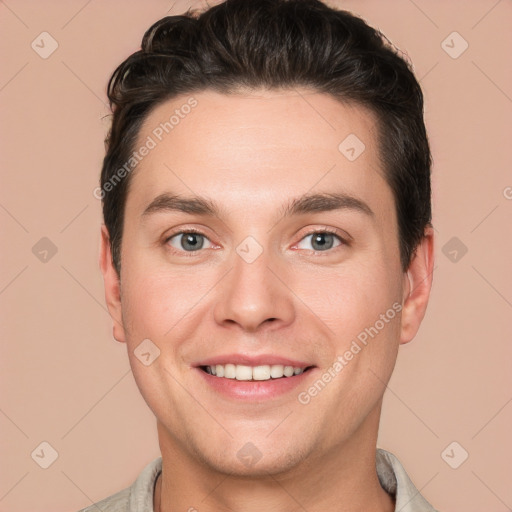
395,481
392,476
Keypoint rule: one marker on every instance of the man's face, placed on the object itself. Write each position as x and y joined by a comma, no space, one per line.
259,283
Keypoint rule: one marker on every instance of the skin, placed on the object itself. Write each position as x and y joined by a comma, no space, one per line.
252,152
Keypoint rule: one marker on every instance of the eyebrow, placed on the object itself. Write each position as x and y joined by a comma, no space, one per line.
309,203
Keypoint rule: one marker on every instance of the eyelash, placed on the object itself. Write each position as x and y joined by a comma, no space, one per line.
325,230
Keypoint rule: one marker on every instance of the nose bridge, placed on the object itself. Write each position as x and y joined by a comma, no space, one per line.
252,294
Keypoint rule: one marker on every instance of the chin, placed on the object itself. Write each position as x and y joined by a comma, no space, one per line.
253,459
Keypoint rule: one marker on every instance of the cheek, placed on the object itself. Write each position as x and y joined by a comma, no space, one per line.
363,316
154,301
153,306
361,307
351,298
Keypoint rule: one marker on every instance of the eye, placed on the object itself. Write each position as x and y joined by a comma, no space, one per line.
188,241
191,241
322,240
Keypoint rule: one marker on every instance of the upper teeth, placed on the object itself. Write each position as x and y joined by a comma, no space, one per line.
264,372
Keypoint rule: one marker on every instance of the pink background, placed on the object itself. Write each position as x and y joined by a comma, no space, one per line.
66,381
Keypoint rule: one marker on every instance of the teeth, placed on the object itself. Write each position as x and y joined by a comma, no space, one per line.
263,372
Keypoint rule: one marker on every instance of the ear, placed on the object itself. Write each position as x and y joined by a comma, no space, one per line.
417,285
112,285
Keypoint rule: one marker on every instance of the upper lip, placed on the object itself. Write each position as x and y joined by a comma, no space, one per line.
260,360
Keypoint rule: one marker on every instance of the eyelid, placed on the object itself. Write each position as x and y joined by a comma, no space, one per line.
182,232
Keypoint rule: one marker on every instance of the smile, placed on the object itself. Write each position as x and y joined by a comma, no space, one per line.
253,373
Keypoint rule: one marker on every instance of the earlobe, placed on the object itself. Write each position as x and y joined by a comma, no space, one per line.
417,286
112,285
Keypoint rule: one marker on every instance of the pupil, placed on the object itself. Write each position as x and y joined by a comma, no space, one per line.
190,239
318,239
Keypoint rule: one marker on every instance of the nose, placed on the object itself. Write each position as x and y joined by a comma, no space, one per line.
255,296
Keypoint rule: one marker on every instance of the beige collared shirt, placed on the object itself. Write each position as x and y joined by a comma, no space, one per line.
392,476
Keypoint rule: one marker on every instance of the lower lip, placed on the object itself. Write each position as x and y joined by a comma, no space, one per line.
254,390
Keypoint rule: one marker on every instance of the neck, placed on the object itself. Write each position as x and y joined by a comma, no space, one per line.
343,479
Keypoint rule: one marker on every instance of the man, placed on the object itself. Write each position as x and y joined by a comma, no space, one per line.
267,247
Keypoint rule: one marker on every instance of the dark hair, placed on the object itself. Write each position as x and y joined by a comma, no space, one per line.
275,44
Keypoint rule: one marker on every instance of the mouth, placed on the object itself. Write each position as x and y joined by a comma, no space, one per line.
253,379
258,373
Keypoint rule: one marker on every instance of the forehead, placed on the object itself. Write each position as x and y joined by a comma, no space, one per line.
257,145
